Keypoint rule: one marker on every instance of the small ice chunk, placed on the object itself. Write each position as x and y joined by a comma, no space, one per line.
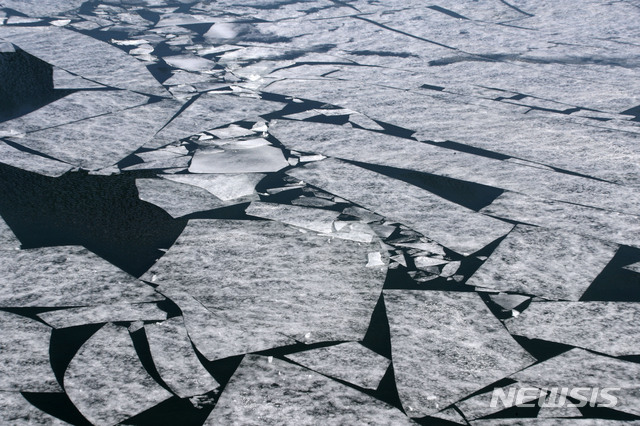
374,260
313,219
255,160
508,301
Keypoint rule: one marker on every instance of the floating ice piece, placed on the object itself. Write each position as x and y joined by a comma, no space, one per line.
17,411
231,131
254,160
375,260
453,226
24,355
272,391
479,405
635,267
84,56
189,62
313,219
356,231
93,144
175,359
221,31
65,80
175,198
66,276
41,7
74,107
226,187
606,225
106,381
211,110
103,313
580,368
8,240
410,155
32,162
316,286
350,362
607,327
546,263
508,301
450,269
423,262
427,327
213,334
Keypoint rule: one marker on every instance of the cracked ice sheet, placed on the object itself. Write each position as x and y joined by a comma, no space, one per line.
66,276
15,410
175,198
92,144
41,7
317,220
350,362
106,381
407,154
455,227
544,262
175,359
446,345
103,313
269,391
32,162
226,187
24,355
211,110
265,158
602,224
580,368
597,151
74,107
84,56
607,327
284,283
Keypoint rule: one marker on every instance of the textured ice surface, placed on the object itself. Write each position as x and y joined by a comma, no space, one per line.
607,327
270,391
175,359
286,283
446,345
485,152
103,313
224,186
350,362
66,276
606,225
106,381
451,225
16,410
175,198
313,219
580,368
24,355
546,263
229,160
